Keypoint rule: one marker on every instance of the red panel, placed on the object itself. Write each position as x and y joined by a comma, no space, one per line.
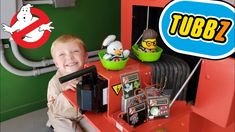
211,127
196,123
200,124
181,124
215,94
126,23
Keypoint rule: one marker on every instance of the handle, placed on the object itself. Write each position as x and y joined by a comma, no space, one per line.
91,69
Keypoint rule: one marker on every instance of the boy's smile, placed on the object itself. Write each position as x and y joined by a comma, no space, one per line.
72,64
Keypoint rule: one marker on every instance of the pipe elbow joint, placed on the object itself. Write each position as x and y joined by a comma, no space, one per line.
36,72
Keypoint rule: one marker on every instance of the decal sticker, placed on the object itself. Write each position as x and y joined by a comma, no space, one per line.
117,88
30,27
206,29
130,82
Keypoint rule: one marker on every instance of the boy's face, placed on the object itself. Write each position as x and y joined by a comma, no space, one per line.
69,57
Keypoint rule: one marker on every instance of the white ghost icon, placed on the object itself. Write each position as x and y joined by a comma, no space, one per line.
24,19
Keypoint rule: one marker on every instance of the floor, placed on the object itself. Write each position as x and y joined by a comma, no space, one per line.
33,122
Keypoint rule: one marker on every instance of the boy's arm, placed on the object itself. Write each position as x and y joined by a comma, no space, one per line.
58,104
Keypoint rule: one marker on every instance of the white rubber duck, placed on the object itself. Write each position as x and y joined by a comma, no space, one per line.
115,51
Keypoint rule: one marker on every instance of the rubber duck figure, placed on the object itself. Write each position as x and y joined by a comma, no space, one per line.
115,51
149,42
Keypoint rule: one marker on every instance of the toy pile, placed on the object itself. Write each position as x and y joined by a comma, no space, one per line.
140,105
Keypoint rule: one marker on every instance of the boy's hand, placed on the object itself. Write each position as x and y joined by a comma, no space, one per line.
72,84
72,88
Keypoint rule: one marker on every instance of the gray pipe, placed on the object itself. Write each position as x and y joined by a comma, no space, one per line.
39,2
34,72
29,63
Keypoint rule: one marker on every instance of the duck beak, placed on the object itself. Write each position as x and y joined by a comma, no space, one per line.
118,52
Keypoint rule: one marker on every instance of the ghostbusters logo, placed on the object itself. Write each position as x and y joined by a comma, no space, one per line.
30,27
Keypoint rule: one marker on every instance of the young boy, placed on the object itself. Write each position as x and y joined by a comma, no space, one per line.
69,55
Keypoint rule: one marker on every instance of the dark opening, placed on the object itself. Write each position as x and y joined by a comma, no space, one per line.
139,20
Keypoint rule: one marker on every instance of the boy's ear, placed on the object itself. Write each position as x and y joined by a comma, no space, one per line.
55,63
86,57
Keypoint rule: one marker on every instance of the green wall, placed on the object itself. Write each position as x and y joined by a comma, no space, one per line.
91,20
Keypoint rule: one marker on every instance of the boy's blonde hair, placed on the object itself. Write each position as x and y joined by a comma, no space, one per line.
66,39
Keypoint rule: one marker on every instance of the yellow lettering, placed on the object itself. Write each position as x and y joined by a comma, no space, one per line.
176,18
225,24
197,27
185,26
209,30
